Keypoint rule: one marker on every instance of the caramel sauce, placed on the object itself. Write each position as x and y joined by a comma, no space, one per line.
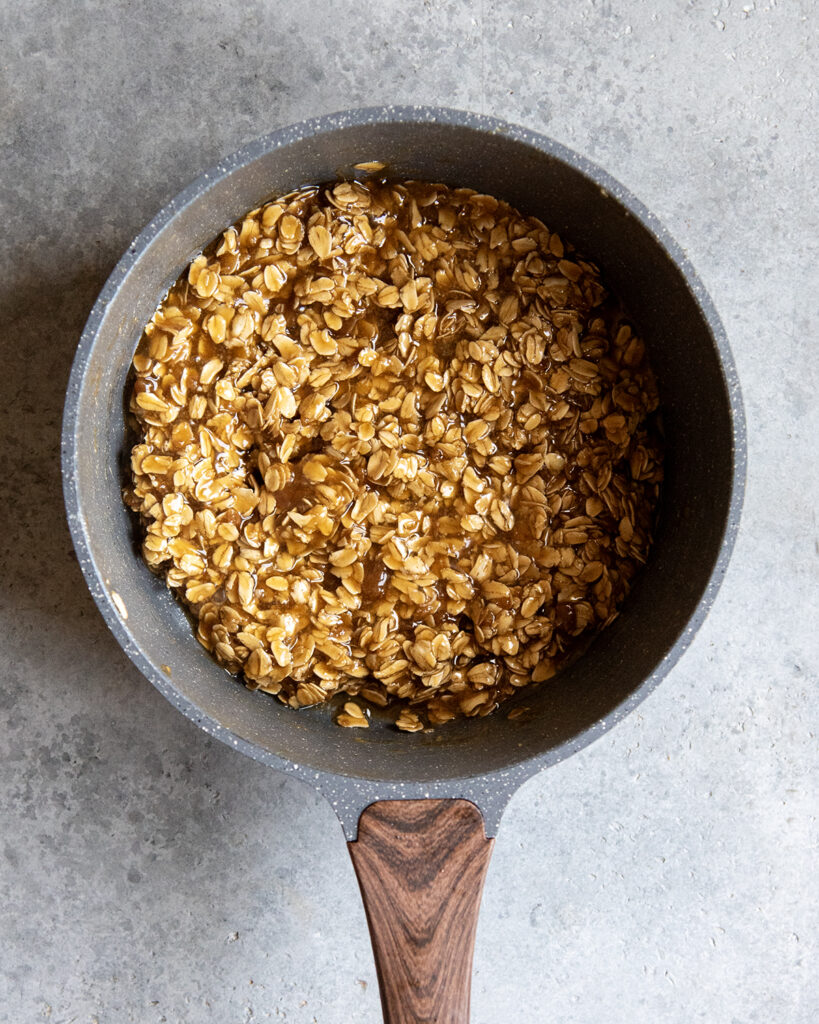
463,313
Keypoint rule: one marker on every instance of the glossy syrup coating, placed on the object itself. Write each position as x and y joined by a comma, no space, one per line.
396,441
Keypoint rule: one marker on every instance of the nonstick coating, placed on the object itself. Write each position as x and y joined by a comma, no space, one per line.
481,759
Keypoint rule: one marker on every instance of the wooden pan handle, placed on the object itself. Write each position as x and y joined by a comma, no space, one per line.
421,865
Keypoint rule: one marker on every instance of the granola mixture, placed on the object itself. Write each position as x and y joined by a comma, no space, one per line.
395,441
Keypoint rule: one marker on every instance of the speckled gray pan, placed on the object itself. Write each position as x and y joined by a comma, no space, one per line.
483,760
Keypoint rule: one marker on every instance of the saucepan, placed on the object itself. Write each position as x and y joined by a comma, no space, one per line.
420,810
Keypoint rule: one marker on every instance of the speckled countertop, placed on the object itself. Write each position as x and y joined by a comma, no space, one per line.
666,873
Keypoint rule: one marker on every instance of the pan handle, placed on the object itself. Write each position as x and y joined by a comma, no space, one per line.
421,866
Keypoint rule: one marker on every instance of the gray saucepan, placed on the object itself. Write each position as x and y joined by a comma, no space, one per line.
414,806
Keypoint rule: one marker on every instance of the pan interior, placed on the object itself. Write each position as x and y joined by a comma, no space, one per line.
696,404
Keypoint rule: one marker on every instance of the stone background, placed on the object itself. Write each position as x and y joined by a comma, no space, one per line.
665,873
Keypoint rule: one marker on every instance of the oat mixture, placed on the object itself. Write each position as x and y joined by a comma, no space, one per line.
395,441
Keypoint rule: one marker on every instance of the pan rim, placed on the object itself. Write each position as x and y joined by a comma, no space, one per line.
367,789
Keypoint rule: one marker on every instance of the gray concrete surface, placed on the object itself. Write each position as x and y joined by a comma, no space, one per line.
666,873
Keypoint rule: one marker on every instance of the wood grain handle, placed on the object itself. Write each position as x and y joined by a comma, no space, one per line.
421,865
